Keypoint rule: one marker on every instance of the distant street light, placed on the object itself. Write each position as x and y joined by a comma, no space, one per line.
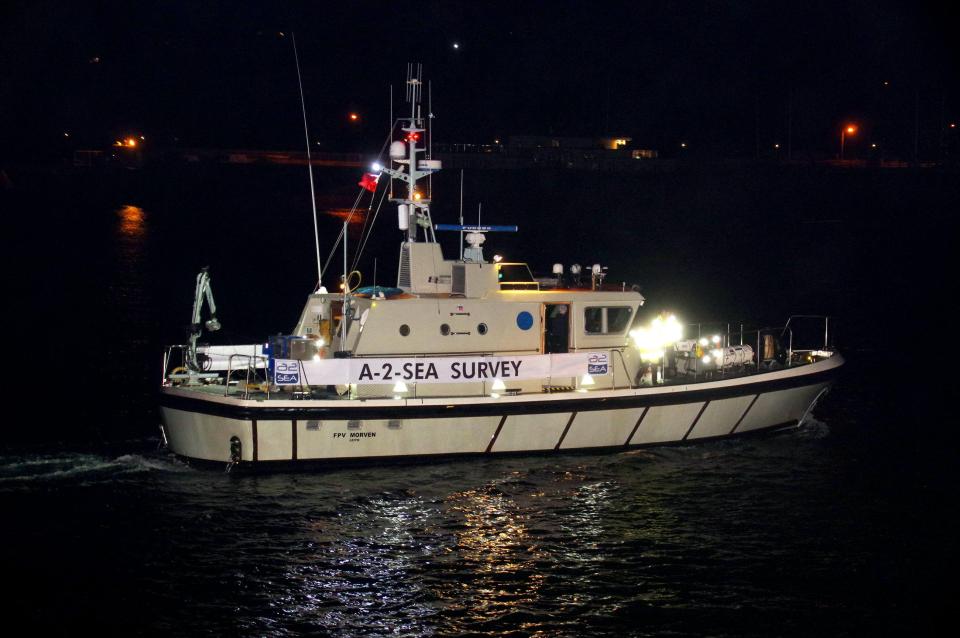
849,129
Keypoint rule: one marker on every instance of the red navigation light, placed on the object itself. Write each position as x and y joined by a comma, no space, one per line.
413,137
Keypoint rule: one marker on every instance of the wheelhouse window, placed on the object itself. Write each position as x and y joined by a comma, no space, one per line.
516,277
600,320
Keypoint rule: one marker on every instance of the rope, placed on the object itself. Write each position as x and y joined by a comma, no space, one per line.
333,250
363,231
353,209
363,245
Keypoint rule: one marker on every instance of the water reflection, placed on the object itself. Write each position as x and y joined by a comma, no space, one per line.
500,567
128,286
132,222
129,277
659,542
366,569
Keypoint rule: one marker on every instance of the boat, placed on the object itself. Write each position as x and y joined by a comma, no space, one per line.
467,356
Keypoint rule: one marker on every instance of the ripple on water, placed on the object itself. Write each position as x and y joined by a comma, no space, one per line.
649,541
39,469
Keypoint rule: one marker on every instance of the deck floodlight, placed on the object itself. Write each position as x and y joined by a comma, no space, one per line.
652,340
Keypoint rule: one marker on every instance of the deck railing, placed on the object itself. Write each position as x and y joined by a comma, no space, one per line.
251,371
771,343
775,347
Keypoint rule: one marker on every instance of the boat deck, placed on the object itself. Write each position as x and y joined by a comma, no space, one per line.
260,392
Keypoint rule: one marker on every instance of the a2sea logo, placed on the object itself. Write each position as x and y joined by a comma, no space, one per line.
598,363
286,373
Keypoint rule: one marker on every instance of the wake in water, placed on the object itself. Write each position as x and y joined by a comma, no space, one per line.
20,470
812,429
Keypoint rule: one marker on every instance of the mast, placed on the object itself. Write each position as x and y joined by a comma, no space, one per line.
411,157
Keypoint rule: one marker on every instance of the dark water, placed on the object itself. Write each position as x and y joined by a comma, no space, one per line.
843,527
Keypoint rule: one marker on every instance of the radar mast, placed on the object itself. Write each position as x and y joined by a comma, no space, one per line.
410,163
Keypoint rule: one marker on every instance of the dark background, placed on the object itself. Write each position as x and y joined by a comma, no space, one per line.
728,78
841,528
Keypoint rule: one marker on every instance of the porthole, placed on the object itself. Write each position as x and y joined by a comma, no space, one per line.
482,328
404,330
524,320
444,329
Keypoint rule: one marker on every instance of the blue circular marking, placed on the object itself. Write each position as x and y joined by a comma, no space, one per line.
524,320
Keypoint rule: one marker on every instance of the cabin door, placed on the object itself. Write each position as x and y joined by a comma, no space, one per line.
556,327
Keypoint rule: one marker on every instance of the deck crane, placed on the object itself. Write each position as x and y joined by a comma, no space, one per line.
203,291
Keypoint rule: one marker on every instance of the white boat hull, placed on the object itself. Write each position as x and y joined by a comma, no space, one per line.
200,426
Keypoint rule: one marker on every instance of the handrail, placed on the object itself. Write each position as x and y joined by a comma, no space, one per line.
786,330
826,326
251,367
166,361
168,358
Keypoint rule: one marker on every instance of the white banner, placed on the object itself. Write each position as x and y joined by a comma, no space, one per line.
439,369
220,357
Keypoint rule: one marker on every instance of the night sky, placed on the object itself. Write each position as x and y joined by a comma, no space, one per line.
723,77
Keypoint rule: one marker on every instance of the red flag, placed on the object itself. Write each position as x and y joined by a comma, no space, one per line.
369,181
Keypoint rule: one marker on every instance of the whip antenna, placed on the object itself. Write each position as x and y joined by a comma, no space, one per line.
306,133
